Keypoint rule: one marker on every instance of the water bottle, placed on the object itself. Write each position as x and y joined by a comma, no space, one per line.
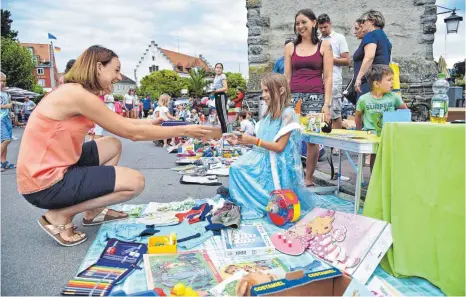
439,109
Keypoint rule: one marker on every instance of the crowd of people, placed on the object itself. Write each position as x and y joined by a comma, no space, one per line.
61,173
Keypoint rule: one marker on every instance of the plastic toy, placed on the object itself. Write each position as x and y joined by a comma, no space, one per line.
162,244
283,207
287,245
181,290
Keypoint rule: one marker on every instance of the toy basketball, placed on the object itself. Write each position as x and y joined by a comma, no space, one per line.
283,207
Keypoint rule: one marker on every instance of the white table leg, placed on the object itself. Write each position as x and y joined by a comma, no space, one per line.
339,172
357,193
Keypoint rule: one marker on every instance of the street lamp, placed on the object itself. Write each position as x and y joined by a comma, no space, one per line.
452,21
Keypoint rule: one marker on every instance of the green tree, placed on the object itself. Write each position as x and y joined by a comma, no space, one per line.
6,25
164,81
234,80
38,89
17,64
197,81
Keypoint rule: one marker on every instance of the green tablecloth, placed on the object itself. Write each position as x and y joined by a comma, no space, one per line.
418,185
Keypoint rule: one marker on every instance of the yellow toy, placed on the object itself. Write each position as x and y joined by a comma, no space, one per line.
162,244
181,290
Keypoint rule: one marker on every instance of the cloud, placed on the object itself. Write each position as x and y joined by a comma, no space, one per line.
203,27
455,43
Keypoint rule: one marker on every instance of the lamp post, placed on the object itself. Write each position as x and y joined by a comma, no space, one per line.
452,22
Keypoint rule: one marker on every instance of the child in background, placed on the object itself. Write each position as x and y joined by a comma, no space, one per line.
278,141
213,117
162,112
202,118
245,125
118,107
372,105
194,118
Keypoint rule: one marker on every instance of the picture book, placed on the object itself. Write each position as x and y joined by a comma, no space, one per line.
353,243
249,240
193,268
381,288
232,273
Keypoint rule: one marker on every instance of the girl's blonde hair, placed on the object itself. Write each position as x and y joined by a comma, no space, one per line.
164,99
274,82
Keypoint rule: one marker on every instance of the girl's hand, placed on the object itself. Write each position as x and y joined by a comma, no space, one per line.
357,85
326,111
245,139
199,132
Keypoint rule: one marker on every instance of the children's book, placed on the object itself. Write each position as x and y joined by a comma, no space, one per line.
353,243
192,268
381,288
232,273
249,240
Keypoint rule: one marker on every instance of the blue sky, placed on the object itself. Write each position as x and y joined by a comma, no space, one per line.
213,28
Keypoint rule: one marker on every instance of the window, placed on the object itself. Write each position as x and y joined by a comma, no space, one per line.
180,68
153,58
150,69
31,50
156,68
40,71
41,82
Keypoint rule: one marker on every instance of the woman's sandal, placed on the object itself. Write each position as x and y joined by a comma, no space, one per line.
103,217
54,232
7,165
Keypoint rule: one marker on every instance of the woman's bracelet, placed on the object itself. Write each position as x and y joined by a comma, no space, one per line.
258,142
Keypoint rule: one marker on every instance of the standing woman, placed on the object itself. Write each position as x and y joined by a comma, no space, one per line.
308,69
375,48
220,87
129,103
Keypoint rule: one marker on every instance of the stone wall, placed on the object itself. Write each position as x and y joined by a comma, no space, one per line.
410,25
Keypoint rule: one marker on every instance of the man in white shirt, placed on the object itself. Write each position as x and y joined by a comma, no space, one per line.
341,58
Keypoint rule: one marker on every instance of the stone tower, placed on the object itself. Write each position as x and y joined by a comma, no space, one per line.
410,26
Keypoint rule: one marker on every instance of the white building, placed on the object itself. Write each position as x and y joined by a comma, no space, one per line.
155,59
122,87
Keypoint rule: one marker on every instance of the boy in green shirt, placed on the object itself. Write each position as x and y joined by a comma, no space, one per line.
371,106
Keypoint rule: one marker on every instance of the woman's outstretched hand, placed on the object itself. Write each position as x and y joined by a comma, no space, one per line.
158,121
198,131
232,139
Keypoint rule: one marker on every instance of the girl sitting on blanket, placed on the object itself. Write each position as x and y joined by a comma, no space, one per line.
274,161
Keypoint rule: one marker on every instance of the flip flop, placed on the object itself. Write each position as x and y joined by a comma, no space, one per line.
8,165
54,232
103,217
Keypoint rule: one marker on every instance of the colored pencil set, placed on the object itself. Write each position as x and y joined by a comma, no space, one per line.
97,280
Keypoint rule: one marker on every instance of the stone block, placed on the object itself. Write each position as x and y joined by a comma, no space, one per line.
257,59
253,13
430,9
423,2
427,38
429,28
254,31
416,69
253,3
258,21
255,50
257,40
428,19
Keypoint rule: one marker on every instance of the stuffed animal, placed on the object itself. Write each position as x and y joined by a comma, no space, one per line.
248,281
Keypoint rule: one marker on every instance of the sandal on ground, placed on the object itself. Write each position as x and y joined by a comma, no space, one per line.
54,232
8,165
103,217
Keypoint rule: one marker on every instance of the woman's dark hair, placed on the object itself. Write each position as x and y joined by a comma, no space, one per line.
69,65
219,64
309,14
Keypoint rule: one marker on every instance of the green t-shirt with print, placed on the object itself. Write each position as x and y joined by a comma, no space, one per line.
373,108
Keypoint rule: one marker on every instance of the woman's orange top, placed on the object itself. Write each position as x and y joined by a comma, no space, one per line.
48,148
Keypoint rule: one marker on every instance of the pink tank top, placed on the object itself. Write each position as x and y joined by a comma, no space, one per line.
307,73
48,148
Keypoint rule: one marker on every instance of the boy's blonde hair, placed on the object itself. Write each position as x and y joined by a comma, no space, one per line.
164,99
2,76
274,82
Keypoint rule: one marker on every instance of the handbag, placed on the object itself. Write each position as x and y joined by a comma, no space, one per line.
350,92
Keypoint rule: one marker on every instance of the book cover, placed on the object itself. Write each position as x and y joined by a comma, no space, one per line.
193,268
343,240
249,240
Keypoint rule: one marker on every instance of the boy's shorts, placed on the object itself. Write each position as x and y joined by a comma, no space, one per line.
335,110
7,129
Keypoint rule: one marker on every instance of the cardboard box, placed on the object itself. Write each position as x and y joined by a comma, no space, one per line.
329,282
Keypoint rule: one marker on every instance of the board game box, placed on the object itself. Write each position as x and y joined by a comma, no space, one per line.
249,240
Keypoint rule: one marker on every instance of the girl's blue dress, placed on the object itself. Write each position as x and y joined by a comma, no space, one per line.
251,178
